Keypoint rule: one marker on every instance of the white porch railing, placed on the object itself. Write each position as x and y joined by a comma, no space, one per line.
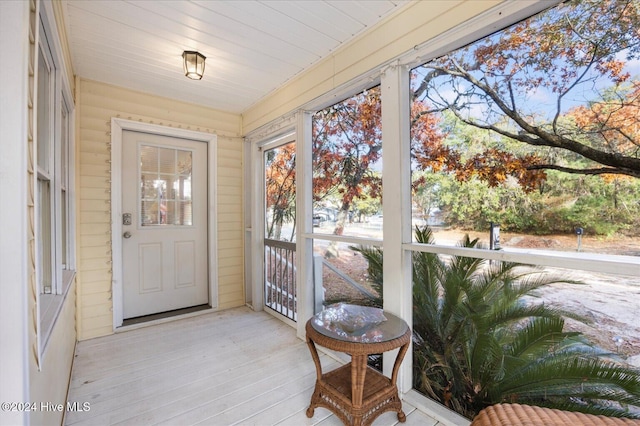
280,277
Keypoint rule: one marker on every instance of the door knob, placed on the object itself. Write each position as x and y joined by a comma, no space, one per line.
127,234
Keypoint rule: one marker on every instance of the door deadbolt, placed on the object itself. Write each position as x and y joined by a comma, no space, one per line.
126,219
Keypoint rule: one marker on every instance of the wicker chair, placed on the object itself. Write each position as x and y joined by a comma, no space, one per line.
528,415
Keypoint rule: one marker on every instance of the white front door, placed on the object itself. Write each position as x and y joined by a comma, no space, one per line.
164,223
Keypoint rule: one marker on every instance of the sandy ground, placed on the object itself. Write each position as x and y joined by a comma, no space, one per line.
611,303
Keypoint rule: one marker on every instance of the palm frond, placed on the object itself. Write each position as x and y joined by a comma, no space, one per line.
538,335
556,374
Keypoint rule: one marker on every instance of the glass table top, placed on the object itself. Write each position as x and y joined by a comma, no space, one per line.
360,324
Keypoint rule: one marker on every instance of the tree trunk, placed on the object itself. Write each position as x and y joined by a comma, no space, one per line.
332,250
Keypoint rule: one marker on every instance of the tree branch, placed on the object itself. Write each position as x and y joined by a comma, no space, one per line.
593,171
535,135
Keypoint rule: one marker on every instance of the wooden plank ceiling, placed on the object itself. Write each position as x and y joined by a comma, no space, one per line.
252,47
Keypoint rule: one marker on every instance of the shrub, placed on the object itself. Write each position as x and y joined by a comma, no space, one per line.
479,340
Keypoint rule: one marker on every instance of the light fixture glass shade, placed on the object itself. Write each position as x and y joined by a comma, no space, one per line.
193,64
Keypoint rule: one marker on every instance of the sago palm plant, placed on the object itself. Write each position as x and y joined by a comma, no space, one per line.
481,338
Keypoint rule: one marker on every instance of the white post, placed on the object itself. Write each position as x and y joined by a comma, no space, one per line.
396,198
14,245
304,212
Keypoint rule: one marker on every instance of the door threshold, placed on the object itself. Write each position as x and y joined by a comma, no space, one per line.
147,320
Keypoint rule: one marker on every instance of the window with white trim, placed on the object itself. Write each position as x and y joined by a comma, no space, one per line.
46,149
53,186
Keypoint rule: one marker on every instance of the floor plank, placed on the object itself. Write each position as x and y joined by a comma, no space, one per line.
235,367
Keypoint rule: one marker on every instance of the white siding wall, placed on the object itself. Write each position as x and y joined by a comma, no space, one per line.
51,382
97,104
50,371
27,375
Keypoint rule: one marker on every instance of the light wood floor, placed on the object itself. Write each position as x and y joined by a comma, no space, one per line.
235,367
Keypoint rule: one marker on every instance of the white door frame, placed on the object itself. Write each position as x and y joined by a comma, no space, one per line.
119,125
259,211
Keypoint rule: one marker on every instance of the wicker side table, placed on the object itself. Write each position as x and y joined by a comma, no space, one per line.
355,392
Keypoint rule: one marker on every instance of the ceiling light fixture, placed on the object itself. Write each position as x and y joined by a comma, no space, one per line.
193,64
